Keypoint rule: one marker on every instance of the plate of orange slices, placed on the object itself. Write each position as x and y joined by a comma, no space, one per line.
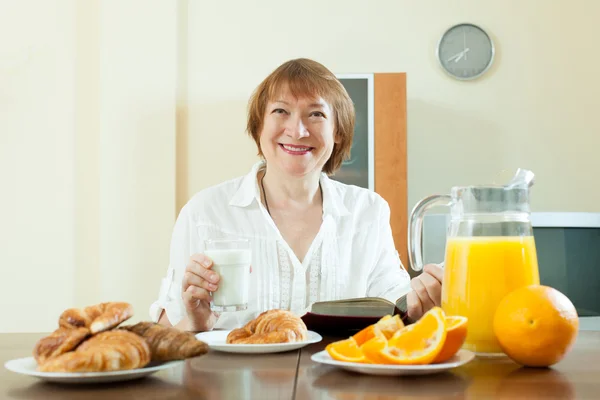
430,345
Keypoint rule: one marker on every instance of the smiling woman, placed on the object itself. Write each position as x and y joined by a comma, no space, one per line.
302,101
301,128
312,238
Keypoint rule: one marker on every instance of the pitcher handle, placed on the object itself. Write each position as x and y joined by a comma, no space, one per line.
415,227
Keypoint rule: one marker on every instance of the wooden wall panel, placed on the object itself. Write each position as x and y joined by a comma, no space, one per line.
390,153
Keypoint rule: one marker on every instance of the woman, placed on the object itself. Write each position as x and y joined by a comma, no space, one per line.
313,238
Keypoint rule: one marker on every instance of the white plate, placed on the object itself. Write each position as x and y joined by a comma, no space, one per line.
28,365
460,358
216,341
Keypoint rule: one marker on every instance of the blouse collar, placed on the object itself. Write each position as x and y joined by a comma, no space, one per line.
248,191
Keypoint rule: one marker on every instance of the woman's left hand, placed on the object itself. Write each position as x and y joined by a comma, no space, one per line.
426,293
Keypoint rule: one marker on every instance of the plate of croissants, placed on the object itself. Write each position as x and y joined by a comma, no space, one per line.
272,331
91,345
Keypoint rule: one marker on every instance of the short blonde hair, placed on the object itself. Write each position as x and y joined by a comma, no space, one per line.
307,78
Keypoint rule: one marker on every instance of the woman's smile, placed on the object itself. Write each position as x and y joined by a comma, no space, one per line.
295,150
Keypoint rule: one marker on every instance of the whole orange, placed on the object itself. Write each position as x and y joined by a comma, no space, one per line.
536,325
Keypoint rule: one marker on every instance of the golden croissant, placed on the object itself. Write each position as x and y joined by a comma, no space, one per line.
167,343
107,351
97,318
273,326
58,342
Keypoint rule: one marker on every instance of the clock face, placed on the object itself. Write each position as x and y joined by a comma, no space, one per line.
465,51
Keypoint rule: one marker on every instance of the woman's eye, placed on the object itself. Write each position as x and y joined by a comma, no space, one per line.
279,111
317,114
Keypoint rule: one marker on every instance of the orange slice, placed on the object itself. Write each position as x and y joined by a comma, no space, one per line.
346,350
368,333
372,349
419,343
456,333
389,325
365,334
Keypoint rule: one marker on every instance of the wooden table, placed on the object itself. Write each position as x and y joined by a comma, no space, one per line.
293,375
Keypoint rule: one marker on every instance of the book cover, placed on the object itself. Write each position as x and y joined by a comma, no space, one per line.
348,316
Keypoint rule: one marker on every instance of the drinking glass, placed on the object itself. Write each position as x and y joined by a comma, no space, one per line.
231,260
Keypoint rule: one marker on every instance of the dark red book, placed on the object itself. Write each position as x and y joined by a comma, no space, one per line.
348,316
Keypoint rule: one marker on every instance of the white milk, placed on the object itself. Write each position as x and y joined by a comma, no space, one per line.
233,265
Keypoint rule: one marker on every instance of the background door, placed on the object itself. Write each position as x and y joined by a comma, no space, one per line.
378,157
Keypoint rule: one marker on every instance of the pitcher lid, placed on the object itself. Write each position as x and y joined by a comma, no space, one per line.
510,197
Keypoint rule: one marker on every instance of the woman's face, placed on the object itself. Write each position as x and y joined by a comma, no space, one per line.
298,134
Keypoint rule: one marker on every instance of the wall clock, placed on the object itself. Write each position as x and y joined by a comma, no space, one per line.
465,51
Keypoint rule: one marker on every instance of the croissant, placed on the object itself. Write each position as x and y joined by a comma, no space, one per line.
97,318
107,351
273,326
58,342
167,343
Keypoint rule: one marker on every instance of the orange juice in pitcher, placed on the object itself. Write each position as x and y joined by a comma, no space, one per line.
490,251
479,271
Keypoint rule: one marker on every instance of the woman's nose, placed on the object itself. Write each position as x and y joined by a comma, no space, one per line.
295,128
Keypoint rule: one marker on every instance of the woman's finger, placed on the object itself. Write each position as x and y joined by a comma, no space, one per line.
202,259
414,307
419,288
435,270
189,300
202,271
191,279
433,287
194,293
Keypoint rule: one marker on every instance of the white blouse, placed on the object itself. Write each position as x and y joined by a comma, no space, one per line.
353,254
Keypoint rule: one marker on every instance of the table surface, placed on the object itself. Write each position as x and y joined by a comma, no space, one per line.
293,375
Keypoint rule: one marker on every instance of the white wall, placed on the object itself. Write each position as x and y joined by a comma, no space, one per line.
535,109
112,114
36,162
87,134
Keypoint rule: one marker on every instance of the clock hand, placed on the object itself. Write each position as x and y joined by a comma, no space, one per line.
465,42
462,53
455,56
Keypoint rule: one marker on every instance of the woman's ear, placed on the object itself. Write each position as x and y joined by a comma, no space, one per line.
336,137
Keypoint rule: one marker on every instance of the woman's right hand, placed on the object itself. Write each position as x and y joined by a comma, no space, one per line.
198,280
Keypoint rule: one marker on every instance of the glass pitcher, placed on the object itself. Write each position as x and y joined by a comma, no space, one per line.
490,251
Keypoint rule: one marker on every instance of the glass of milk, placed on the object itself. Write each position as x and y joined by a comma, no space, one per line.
231,260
